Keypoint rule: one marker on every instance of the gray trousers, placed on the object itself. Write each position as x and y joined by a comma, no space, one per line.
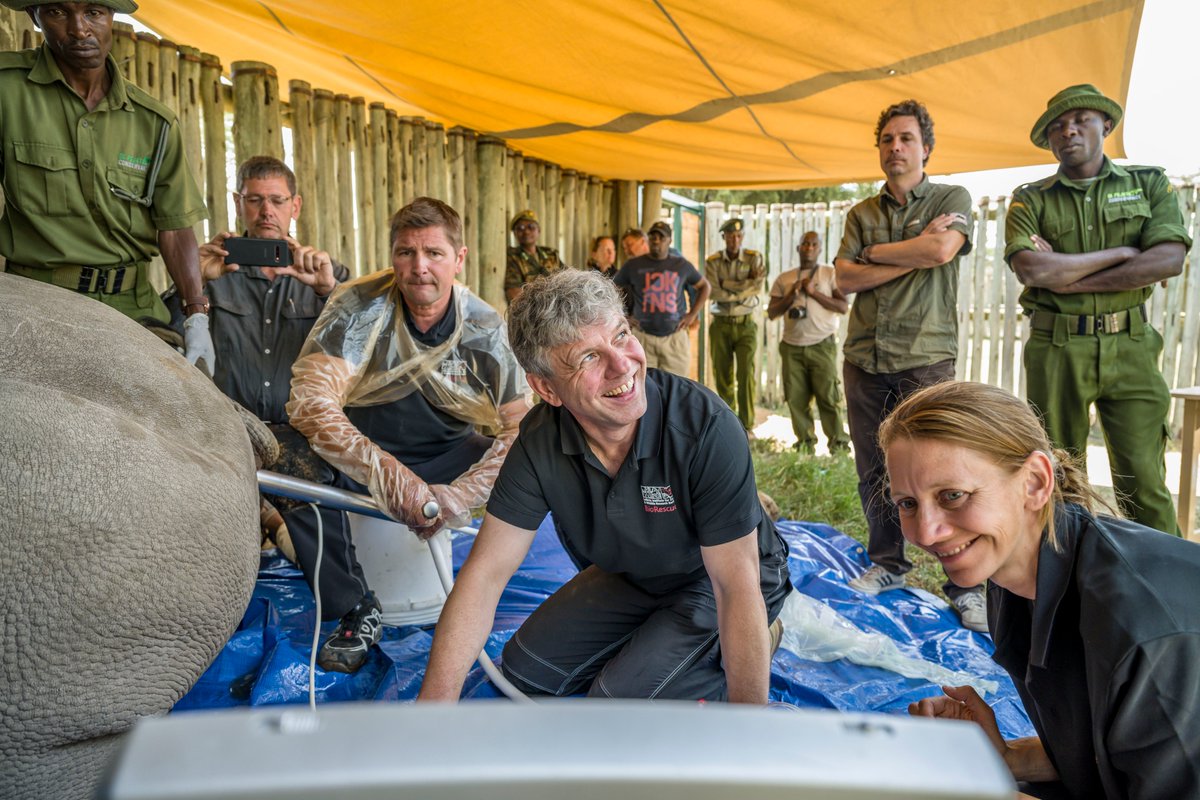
869,399
603,635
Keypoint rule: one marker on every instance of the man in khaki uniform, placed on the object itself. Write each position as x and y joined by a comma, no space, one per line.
812,305
737,277
1089,243
527,260
95,180
899,255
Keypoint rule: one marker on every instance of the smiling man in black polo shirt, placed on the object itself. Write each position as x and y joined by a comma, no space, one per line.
651,484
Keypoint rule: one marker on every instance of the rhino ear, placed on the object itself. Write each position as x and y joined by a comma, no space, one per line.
262,441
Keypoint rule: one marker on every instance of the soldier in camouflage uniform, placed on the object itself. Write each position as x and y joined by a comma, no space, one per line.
527,261
1089,243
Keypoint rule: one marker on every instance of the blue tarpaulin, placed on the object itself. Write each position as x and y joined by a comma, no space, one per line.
266,659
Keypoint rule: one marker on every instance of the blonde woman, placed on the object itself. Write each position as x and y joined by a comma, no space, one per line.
1095,619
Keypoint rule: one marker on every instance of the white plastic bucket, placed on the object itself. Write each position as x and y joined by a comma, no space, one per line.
399,569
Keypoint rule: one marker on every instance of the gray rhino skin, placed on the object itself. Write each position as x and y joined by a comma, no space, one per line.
128,533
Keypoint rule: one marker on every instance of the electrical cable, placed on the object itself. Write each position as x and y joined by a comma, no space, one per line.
312,659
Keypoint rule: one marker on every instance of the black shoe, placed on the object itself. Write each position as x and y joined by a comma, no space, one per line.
360,629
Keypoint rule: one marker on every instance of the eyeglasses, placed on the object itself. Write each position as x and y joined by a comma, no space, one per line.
256,200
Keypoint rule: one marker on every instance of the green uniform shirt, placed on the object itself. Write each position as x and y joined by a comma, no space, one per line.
1123,206
911,321
735,283
58,161
522,267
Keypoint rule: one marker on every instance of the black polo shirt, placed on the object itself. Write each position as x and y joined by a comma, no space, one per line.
687,482
1107,658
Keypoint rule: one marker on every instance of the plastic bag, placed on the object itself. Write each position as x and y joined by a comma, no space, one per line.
814,631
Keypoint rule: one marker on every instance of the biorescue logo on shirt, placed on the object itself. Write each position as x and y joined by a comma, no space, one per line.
658,499
454,368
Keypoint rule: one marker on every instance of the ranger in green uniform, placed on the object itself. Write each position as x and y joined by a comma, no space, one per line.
1089,243
527,261
95,181
737,277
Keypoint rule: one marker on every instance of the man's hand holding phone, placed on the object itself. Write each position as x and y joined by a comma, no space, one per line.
228,252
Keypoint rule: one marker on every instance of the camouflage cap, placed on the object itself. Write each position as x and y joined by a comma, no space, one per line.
528,214
661,228
734,225
1082,95
120,6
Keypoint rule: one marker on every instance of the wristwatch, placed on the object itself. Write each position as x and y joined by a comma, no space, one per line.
194,305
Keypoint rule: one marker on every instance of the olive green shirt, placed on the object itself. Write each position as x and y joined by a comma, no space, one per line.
736,283
58,160
1124,206
522,267
911,321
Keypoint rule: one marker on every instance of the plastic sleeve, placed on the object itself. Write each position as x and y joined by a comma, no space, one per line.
320,385
473,488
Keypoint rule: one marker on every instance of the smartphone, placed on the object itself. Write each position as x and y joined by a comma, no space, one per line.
249,252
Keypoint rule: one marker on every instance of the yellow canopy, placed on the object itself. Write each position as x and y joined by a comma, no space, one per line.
692,92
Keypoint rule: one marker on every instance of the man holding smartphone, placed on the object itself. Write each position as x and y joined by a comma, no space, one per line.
261,315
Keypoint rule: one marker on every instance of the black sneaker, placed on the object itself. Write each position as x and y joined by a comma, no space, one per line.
361,628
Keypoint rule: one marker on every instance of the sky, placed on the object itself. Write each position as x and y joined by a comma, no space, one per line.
1162,113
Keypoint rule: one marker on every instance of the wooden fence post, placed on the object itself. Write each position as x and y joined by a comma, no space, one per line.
364,186
212,99
470,210
420,158
570,249
435,161
300,101
493,221
395,160
343,140
325,166
124,50
627,204
189,119
168,74
552,194
257,126
651,203
145,53
408,162
382,249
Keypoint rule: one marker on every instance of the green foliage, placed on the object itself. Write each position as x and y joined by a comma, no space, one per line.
816,194
825,489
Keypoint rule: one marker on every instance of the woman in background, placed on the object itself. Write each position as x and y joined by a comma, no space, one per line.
604,256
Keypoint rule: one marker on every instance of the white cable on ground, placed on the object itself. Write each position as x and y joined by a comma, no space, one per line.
502,683
312,659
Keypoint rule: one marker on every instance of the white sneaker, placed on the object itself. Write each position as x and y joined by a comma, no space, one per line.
875,580
972,608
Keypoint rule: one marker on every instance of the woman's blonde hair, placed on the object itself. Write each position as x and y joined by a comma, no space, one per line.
993,423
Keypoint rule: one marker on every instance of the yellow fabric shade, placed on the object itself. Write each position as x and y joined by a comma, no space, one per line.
692,92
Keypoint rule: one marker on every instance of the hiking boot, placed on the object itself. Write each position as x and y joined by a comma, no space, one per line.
776,632
972,609
361,628
876,580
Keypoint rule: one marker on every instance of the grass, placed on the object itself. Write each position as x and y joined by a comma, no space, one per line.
825,489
